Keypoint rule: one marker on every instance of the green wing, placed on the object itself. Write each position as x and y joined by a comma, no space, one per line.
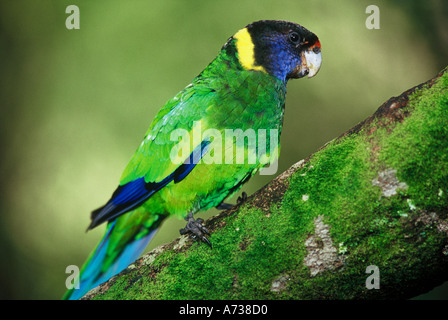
214,104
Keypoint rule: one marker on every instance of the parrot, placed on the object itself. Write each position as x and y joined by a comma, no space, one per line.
193,156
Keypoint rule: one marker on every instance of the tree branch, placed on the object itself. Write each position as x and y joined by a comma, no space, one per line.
375,196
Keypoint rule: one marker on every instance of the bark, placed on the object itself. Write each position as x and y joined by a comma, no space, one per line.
364,217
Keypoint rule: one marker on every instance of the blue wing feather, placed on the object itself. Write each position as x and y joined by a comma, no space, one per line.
134,193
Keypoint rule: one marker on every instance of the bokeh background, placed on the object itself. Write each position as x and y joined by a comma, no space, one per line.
75,104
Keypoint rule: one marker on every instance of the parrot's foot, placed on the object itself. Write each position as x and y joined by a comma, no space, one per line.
197,230
227,206
224,206
242,199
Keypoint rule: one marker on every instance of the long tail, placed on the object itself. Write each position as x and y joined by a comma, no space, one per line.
123,242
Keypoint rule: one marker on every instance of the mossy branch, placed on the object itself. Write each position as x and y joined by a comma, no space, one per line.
376,196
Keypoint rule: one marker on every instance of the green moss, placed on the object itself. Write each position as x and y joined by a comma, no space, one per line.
418,148
255,248
338,181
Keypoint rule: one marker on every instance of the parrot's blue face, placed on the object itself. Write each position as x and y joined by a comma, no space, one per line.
285,50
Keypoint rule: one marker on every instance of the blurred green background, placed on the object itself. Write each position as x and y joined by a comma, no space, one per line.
75,104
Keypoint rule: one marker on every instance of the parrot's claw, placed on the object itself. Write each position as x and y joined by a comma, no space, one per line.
227,206
197,230
242,199
224,206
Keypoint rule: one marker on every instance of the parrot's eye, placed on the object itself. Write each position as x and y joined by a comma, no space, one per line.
294,37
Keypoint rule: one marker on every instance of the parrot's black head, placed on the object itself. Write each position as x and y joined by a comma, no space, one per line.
281,48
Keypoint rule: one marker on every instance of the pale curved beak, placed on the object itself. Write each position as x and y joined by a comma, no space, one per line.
310,62
312,58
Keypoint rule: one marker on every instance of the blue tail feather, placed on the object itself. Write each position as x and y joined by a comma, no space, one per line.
91,275
132,194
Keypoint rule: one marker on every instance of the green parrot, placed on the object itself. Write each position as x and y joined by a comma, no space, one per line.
194,154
